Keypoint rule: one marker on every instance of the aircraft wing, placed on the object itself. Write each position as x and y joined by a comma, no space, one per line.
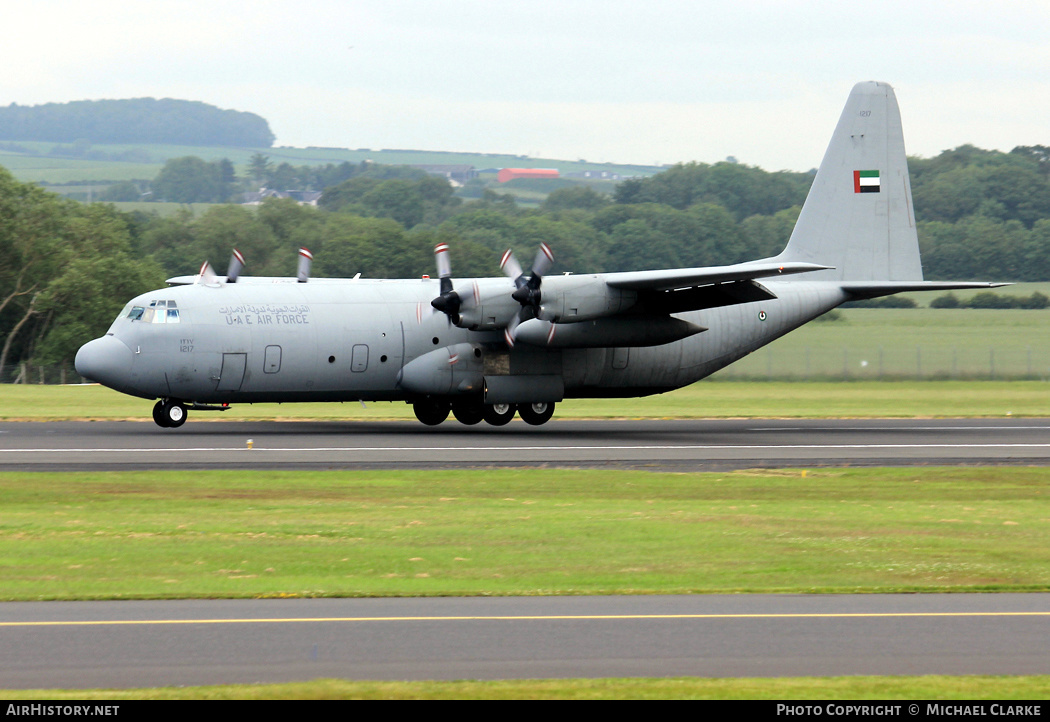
691,289
680,278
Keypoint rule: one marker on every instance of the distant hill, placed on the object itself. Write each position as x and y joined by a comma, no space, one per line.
139,120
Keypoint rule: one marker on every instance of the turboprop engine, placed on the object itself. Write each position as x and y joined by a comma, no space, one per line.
452,370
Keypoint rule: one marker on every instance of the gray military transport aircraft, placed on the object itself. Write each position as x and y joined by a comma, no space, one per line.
490,348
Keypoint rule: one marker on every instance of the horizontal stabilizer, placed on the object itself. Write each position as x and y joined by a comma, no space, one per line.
875,289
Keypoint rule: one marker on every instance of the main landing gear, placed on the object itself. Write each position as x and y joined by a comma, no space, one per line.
434,411
169,413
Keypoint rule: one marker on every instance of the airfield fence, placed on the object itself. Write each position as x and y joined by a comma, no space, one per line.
897,363
27,373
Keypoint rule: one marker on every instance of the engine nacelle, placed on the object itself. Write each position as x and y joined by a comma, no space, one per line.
569,299
489,315
447,371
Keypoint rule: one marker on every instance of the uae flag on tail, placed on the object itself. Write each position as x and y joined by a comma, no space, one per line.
865,181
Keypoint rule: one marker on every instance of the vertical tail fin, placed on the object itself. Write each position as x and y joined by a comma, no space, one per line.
858,216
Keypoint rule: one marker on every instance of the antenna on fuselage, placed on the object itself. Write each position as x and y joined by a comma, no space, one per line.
305,259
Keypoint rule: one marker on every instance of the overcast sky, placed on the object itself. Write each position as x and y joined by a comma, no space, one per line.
625,81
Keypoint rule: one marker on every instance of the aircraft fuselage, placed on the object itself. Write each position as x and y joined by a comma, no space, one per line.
376,340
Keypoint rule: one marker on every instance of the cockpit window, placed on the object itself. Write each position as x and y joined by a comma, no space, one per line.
158,312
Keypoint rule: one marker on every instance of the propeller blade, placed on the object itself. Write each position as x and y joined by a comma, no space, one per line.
305,259
510,266
542,264
236,264
207,276
444,267
511,330
450,302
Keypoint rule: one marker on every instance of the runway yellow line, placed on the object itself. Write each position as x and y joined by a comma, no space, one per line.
521,618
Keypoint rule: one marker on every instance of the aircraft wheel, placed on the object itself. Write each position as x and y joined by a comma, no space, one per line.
468,414
174,413
430,411
499,414
158,415
536,414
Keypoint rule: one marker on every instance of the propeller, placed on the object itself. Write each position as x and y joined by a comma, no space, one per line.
236,264
450,302
527,290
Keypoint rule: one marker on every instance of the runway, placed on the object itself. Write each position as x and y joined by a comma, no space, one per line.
135,644
676,445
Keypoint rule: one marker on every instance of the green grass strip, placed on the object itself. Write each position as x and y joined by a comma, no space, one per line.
213,534
706,399
932,687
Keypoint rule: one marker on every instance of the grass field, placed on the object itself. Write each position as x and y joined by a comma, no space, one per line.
706,399
215,534
801,688
57,169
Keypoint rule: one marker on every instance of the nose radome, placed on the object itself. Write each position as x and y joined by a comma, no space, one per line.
106,360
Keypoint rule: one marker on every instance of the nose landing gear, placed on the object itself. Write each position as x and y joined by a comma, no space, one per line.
169,413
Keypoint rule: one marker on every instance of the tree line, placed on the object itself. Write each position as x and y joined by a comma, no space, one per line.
66,268
138,120
65,271
189,179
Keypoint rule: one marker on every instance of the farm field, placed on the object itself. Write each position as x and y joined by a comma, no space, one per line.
61,169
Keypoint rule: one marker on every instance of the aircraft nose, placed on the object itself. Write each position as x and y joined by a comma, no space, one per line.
105,360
